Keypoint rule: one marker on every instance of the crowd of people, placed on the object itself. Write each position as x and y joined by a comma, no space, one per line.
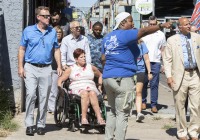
54,50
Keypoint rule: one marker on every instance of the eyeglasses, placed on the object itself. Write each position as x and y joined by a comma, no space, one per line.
77,27
45,16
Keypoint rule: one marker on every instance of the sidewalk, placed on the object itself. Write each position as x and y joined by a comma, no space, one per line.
160,126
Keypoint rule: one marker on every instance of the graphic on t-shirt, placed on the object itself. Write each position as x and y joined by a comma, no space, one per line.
110,45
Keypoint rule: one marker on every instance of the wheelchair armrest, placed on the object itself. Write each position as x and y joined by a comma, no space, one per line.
66,84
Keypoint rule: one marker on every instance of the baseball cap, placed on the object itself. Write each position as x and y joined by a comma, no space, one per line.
119,18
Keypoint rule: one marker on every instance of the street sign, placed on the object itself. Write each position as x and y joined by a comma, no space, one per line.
144,7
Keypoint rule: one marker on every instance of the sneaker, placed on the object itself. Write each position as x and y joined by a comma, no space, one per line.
139,117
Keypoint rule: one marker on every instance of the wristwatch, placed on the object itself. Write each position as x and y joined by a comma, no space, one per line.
160,26
150,72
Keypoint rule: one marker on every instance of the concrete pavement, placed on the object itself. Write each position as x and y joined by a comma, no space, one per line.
160,126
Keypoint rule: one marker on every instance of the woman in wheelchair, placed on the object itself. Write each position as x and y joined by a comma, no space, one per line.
81,77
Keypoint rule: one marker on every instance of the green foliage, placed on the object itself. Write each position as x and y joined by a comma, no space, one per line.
6,115
167,126
7,123
156,118
4,101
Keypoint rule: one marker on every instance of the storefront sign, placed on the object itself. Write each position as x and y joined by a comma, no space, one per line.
144,7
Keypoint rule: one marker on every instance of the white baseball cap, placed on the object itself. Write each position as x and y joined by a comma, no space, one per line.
119,18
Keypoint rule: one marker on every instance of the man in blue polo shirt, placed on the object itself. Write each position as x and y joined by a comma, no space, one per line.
120,52
37,44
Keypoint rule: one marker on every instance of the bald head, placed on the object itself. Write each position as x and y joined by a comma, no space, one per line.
184,25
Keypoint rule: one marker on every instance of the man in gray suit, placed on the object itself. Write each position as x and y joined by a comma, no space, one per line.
182,64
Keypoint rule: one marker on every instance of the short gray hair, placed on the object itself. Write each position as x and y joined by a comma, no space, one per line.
40,8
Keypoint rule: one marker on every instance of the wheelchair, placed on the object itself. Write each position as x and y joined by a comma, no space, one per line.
68,107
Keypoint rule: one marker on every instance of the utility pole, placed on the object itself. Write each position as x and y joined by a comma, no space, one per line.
153,12
137,18
109,19
99,10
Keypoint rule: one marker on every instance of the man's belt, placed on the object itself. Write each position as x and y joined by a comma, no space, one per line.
39,65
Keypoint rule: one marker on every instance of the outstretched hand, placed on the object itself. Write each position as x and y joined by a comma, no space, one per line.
166,25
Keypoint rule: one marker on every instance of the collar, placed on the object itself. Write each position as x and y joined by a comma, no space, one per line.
188,36
92,35
37,29
73,38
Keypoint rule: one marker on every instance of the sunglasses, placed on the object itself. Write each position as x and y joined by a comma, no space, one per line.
197,31
45,16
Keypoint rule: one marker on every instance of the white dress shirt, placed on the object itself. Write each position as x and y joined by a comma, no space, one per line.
69,44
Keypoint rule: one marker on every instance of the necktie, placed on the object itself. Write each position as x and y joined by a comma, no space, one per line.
189,54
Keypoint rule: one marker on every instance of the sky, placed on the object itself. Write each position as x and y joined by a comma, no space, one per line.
82,3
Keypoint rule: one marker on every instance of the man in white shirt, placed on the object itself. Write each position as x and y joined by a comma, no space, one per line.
72,42
155,43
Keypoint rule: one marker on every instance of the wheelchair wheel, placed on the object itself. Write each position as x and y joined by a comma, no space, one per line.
72,127
60,113
102,130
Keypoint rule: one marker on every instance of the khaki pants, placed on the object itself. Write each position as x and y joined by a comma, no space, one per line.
190,87
120,98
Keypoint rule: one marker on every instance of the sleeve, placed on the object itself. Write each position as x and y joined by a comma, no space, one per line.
24,39
55,41
130,35
163,41
102,47
87,51
63,50
144,48
167,59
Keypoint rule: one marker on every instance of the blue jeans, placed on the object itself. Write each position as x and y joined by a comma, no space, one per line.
154,83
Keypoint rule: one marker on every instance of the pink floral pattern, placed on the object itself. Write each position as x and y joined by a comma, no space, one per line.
82,79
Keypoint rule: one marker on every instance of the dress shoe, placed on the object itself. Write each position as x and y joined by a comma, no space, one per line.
144,106
29,131
40,131
183,138
154,110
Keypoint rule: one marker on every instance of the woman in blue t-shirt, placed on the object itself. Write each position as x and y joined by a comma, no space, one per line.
143,64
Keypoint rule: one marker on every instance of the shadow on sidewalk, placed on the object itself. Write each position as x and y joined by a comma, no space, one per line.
53,127
132,139
172,131
161,106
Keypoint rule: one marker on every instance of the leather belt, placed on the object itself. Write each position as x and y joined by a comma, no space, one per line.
39,65
190,70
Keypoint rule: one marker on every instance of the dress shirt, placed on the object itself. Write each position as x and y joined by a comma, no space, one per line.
185,53
69,44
